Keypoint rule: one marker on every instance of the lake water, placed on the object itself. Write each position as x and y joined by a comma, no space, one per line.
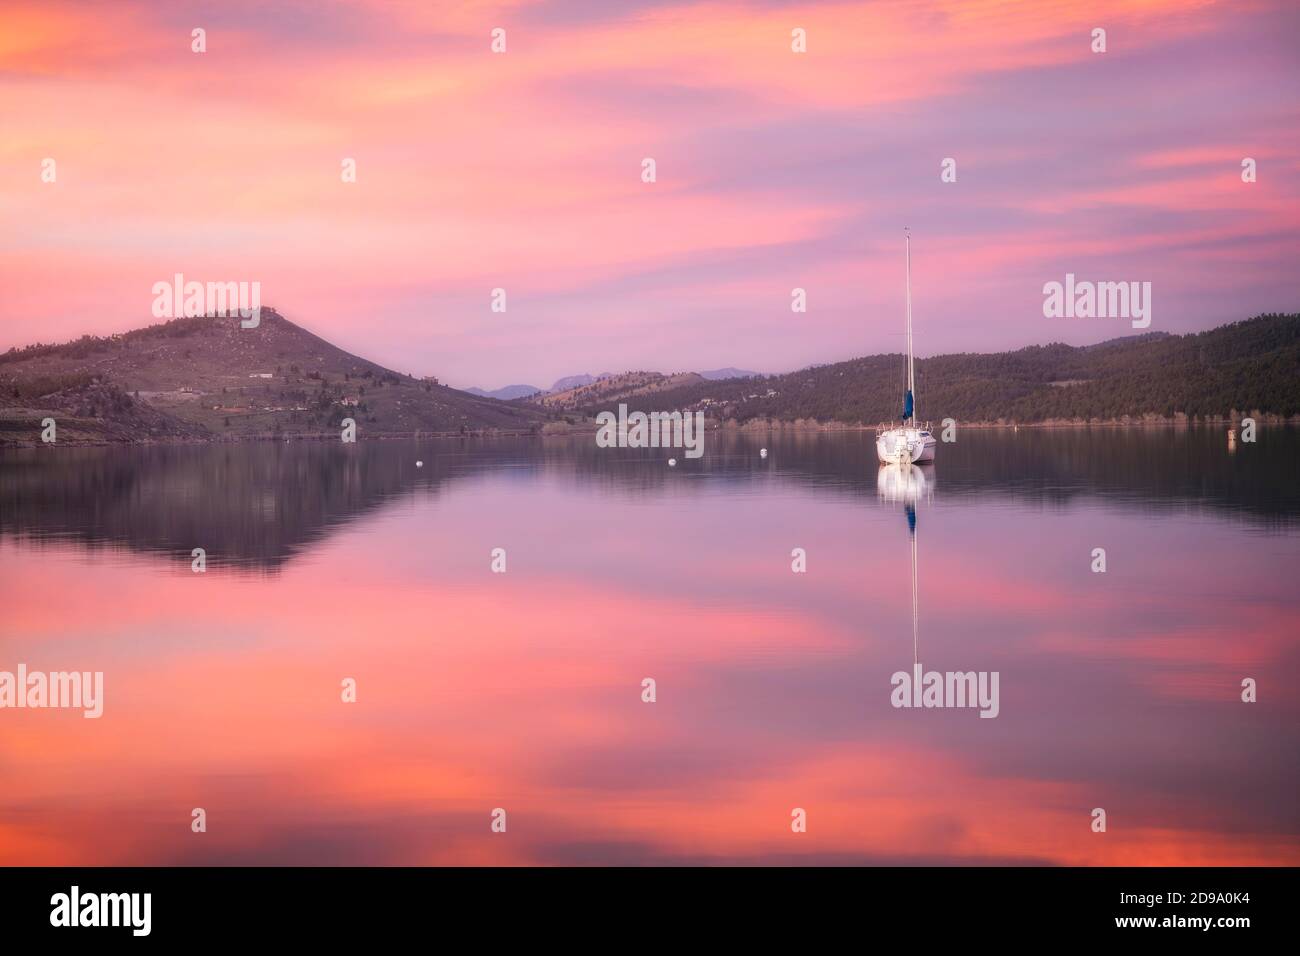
522,690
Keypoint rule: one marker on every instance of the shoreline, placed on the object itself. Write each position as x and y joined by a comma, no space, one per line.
563,430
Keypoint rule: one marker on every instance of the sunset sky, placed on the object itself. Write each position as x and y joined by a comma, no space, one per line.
522,171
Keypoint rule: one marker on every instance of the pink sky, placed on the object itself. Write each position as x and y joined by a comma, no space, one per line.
522,171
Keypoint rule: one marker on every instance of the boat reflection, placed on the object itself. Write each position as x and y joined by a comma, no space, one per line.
908,484
905,483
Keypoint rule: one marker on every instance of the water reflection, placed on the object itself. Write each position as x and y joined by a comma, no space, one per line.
258,505
905,483
478,690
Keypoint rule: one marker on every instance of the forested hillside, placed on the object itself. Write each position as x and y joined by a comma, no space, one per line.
1249,366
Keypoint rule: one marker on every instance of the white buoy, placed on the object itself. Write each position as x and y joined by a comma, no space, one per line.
762,453
672,462
419,464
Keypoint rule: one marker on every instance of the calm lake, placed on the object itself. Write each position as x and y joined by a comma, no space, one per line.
523,690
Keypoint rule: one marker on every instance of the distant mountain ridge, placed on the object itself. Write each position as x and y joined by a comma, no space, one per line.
506,394
574,381
569,382
611,388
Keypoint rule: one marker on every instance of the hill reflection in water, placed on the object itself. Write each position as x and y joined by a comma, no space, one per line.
522,690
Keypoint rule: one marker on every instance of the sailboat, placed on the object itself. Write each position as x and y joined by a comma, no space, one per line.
908,443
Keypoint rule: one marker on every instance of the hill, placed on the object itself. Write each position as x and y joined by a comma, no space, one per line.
615,388
573,381
1248,366
570,383
206,377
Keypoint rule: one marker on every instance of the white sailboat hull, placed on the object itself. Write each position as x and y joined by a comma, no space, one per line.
905,446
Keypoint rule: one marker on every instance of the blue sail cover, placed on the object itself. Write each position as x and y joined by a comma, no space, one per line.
907,405
911,519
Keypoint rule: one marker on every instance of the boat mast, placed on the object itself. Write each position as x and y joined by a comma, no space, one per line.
911,372
915,607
